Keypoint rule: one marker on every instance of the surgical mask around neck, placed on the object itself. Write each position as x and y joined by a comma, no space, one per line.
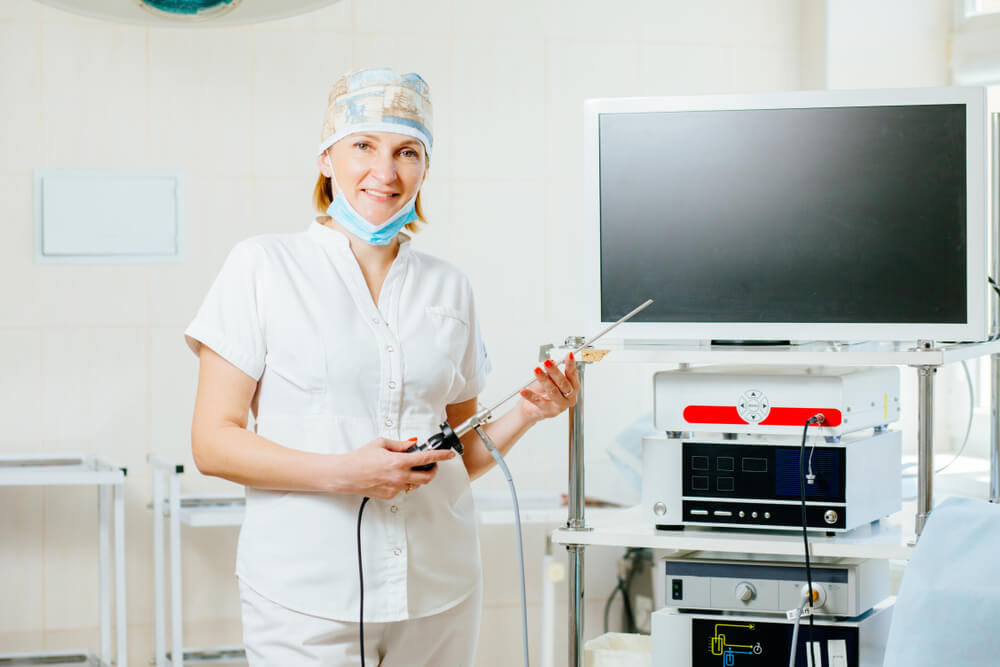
342,211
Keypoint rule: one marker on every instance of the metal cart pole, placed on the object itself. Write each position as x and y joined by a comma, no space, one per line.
575,520
925,444
104,568
994,187
995,429
121,618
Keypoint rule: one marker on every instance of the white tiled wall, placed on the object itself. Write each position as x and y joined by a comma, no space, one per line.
93,355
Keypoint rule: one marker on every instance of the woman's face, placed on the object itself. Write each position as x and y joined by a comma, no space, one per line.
378,172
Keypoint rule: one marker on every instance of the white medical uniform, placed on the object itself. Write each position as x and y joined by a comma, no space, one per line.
336,371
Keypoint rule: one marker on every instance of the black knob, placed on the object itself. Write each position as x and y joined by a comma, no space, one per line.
445,439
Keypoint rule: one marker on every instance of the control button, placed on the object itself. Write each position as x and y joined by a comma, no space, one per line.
699,463
388,421
725,483
753,514
677,589
742,514
745,591
725,464
722,513
397,551
767,515
830,517
659,509
699,483
699,512
389,348
393,509
392,384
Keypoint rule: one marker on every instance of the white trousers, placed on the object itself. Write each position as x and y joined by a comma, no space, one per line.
275,636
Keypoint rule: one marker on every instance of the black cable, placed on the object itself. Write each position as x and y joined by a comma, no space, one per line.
815,419
361,584
629,617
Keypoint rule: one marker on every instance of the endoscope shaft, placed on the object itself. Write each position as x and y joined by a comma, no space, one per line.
482,415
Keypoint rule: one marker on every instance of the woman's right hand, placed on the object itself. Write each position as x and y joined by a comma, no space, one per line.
383,468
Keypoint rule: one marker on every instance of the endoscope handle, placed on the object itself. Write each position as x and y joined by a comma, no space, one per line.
446,439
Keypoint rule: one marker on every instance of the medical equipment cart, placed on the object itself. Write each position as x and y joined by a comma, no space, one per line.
891,538
74,469
194,511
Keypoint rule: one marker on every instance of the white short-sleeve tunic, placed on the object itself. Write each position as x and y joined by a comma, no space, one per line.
336,371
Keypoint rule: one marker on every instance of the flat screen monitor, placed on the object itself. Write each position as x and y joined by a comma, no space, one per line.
820,215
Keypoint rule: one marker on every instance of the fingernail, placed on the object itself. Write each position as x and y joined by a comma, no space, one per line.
412,440
538,371
548,363
571,357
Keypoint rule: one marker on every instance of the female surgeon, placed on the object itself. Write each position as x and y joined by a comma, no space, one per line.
347,345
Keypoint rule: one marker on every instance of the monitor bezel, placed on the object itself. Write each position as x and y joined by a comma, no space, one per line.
976,113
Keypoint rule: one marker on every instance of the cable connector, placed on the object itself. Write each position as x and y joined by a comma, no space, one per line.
817,418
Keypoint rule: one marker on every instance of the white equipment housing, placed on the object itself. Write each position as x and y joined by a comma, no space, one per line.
847,587
753,481
774,401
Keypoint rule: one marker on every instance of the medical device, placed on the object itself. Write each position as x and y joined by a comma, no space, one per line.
797,216
732,439
684,639
774,400
753,481
845,587
449,438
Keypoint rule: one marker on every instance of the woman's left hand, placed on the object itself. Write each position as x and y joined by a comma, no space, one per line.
552,391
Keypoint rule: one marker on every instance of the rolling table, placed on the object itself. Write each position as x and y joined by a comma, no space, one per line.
75,469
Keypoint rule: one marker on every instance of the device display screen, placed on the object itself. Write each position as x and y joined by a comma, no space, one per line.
821,215
731,642
768,472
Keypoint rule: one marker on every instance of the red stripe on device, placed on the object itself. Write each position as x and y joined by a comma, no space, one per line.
728,414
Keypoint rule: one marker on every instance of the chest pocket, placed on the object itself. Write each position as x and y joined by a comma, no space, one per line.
294,379
449,336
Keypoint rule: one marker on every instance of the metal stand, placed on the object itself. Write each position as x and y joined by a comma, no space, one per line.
925,444
82,469
198,511
995,428
995,321
576,521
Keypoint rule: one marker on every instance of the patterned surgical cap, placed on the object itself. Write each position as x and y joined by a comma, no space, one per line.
378,100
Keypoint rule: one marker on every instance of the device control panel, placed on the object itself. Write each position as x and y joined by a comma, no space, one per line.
847,587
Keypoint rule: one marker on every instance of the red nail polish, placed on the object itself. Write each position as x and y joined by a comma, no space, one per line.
412,440
571,357
538,371
548,363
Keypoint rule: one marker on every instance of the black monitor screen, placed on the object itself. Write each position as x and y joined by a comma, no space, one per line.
821,215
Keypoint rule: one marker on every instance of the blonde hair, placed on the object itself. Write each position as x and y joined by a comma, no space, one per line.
323,196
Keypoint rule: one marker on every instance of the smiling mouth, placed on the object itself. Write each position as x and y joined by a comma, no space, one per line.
380,196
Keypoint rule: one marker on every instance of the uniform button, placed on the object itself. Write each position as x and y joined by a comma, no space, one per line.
397,551
393,509
388,421
392,384
389,348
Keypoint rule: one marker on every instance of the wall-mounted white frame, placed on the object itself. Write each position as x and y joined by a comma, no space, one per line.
109,216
